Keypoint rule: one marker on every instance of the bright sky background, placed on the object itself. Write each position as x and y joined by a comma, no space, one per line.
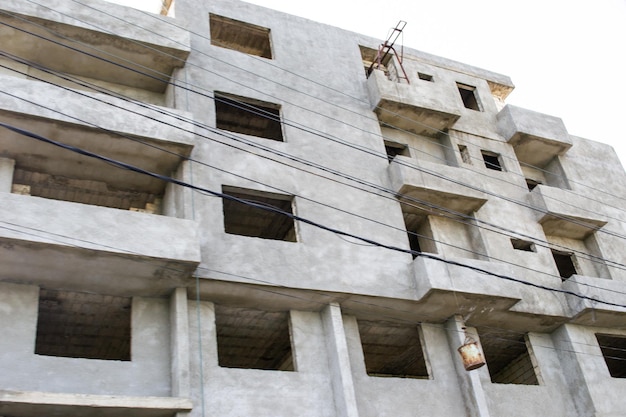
567,58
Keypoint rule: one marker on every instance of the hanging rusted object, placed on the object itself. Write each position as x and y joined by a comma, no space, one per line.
471,354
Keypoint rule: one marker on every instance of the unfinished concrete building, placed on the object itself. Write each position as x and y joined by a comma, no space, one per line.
237,212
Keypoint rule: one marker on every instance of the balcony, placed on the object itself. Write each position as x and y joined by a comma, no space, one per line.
536,137
69,245
133,134
428,185
425,110
561,212
89,41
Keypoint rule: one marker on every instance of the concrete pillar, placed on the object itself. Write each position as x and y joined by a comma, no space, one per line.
7,166
340,370
469,381
179,334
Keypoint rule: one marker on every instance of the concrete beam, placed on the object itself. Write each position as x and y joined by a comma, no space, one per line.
26,403
471,386
341,372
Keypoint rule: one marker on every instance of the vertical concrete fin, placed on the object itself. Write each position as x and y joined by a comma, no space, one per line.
7,166
179,333
469,381
340,370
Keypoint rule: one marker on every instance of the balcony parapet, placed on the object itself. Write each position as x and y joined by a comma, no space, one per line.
76,245
146,58
428,184
425,109
536,137
591,313
566,214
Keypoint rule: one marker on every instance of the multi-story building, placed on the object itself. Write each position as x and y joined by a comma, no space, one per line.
237,212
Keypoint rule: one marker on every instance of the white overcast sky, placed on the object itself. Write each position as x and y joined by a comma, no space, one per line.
567,58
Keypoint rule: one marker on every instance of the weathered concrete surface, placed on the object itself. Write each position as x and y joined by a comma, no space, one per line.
333,162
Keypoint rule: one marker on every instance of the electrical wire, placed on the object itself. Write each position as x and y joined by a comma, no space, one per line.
324,85
412,233
294,217
409,232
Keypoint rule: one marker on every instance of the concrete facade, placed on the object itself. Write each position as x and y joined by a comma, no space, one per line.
129,287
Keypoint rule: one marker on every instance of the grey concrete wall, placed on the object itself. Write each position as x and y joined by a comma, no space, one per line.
147,374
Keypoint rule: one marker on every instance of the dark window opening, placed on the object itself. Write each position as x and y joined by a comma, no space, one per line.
80,325
414,243
564,263
465,156
507,357
492,160
240,36
247,116
245,220
392,349
523,245
394,149
253,339
468,95
614,352
425,77
531,184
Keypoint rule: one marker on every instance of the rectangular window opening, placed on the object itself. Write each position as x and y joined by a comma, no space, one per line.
394,149
80,325
425,77
253,339
564,263
240,36
508,358
465,156
244,220
250,117
468,95
492,160
524,245
614,352
392,349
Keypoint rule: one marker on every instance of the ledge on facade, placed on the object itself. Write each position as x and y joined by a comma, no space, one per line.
410,107
591,313
536,137
79,36
561,213
78,246
427,183
28,403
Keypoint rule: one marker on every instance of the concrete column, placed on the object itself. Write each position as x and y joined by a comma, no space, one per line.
179,334
340,370
7,166
469,381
